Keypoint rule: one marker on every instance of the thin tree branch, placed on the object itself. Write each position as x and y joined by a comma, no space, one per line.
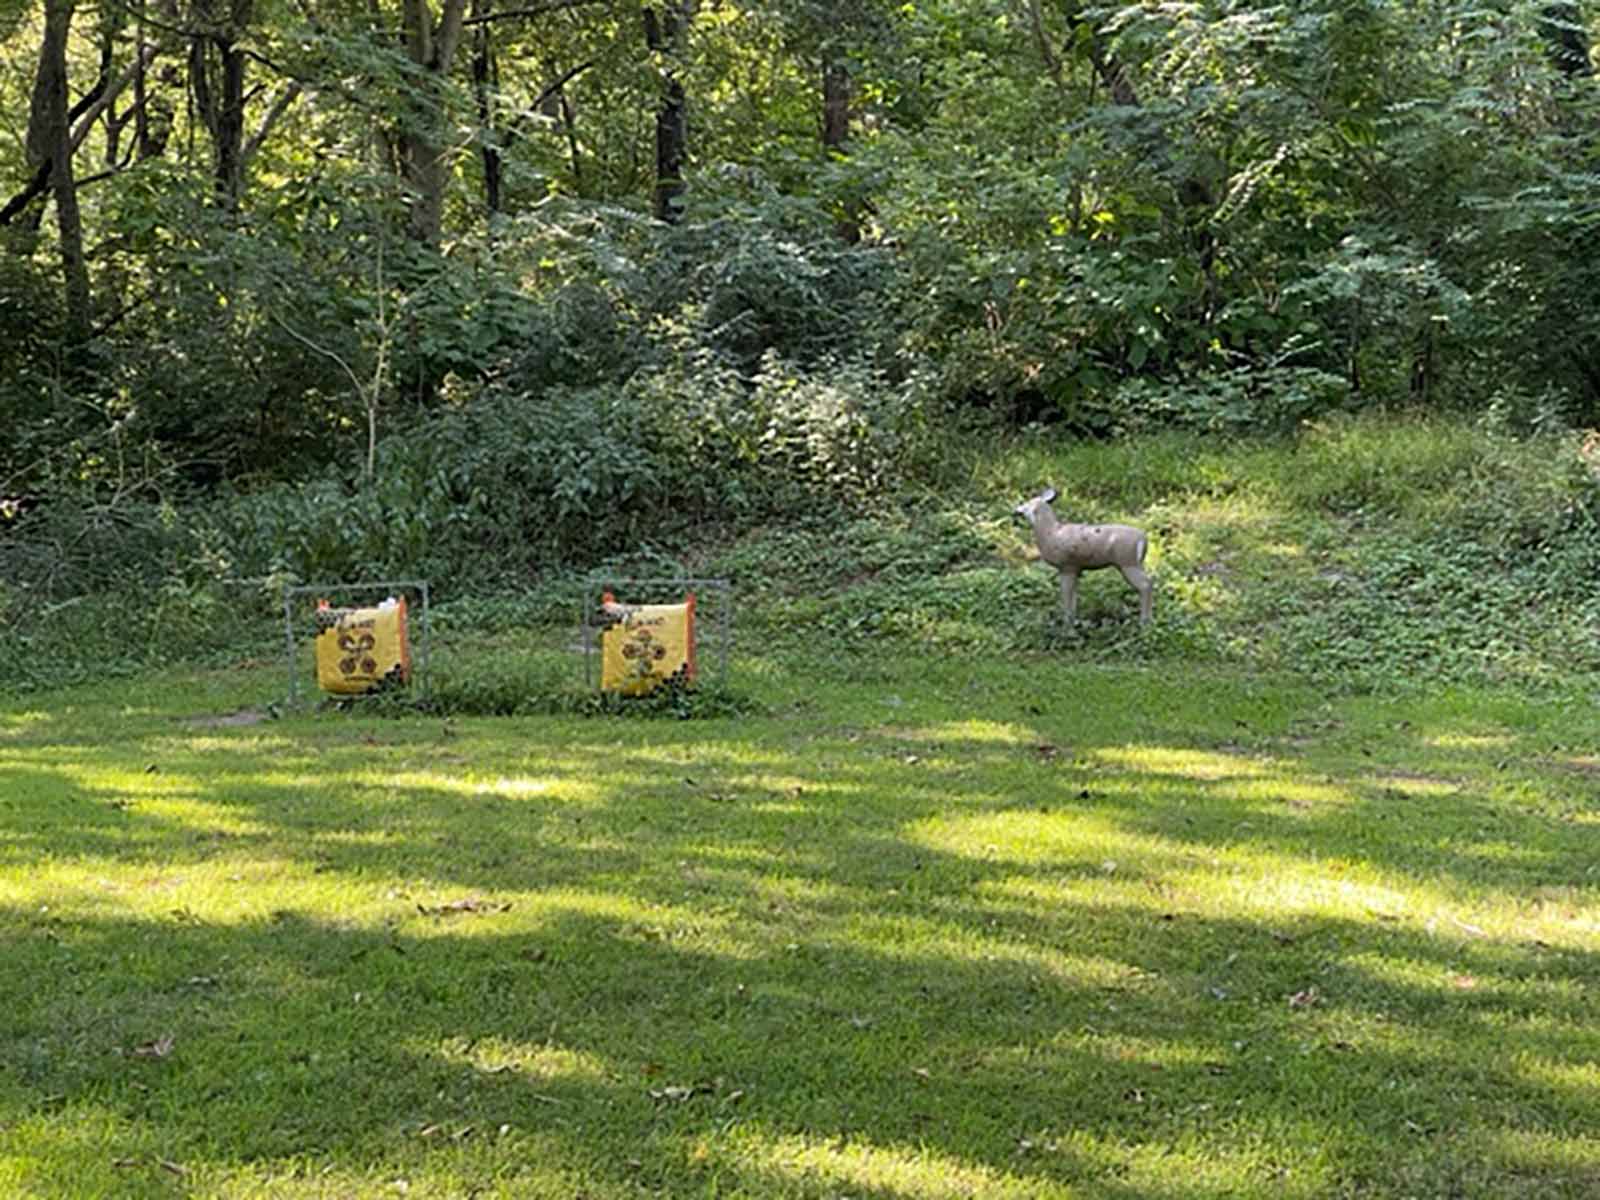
116,318
86,120
537,10
35,188
100,176
552,89
279,107
322,350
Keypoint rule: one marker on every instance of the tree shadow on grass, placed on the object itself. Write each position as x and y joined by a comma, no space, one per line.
664,960
1009,1051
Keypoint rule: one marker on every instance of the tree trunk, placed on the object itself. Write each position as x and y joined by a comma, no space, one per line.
485,82
151,139
431,45
569,125
835,105
664,32
217,81
217,75
836,94
49,146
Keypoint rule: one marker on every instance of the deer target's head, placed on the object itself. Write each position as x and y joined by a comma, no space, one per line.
1028,510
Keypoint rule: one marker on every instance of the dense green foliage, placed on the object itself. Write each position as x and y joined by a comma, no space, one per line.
313,291
1114,215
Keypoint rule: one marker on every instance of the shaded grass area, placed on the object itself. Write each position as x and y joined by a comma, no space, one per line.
926,926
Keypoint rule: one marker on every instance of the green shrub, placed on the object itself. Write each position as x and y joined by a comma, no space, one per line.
1238,400
510,487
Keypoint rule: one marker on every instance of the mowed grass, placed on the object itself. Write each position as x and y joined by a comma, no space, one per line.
931,925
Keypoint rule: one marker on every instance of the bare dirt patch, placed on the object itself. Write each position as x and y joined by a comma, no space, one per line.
245,716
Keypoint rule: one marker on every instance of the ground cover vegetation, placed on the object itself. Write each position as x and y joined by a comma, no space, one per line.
460,292
1369,553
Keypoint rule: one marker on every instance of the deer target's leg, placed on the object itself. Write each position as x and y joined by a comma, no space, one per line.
1141,584
1069,596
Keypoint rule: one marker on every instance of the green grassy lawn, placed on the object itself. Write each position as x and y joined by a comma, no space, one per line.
930,924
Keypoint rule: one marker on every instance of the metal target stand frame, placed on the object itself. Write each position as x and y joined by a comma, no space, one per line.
336,593
658,591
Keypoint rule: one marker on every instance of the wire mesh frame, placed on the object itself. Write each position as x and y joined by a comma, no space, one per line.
418,587
656,591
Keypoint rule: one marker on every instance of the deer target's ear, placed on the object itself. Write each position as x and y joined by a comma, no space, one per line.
1048,494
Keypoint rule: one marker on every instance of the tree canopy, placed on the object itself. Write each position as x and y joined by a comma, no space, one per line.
244,241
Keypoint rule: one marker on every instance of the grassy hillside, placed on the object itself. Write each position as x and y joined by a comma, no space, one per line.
1365,553
1375,554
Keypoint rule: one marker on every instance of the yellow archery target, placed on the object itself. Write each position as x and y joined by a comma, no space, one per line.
649,645
358,649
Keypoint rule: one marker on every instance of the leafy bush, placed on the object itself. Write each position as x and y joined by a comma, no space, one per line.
759,288
759,276
787,435
514,486
30,368
1242,399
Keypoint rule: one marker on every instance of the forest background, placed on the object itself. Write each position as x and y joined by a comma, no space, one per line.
485,293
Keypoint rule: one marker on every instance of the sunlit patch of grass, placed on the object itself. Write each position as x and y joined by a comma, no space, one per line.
565,789
797,1166
1534,1155
1031,839
1287,888
497,1055
1471,741
1582,1078
1187,763
1418,785
15,724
